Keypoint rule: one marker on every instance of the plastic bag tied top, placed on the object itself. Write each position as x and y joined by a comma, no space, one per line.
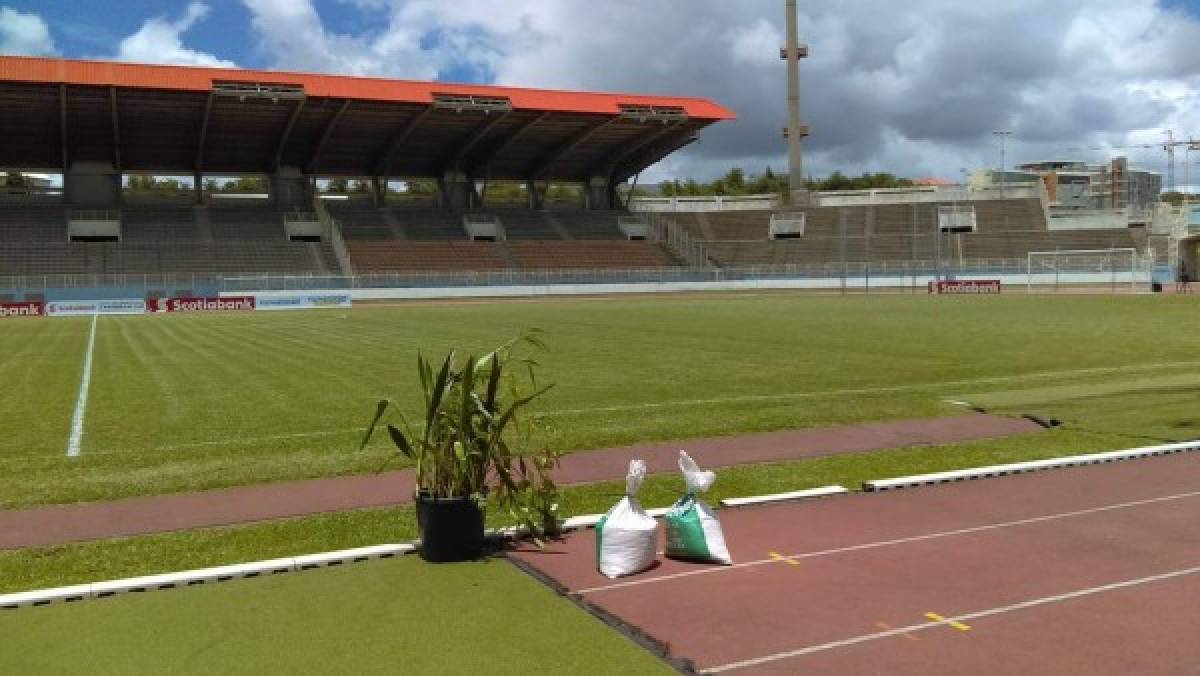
627,537
693,532
697,480
635,477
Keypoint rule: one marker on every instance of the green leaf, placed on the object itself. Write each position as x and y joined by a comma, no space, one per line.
437,393
401,441
493,385
380,408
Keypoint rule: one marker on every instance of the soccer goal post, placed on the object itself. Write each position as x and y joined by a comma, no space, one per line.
1120,269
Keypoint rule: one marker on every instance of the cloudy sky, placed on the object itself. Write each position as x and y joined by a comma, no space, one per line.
916,90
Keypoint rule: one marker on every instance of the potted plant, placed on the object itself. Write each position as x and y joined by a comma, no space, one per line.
473,447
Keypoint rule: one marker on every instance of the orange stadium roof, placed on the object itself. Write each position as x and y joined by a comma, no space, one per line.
200,79
57,113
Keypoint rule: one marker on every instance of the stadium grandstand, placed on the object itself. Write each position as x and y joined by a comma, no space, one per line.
895,226
95,123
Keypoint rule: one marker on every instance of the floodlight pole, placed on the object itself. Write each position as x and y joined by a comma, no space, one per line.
793,52
1003,135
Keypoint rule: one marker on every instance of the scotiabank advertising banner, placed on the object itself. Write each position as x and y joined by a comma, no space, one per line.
304,302
210,304
966,287
10,310
96,307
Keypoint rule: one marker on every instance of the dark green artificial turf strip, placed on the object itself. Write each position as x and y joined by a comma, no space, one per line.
392,616
22,570
204,401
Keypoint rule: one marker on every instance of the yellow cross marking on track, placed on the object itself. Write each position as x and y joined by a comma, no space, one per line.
780,557
957,625
887,627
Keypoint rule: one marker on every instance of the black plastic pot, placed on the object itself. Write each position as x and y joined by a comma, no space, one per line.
451,528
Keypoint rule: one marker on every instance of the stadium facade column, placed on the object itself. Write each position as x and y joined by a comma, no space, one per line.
92,184
601,194
379,190
532,194
290,188
458,190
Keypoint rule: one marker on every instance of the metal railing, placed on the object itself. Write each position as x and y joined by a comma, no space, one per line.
130,282
333,231
299,216
665,230
93,215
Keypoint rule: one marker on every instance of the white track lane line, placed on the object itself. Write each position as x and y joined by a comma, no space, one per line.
1024,605
75,442
897,541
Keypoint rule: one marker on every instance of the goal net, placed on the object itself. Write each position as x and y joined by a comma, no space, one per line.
1118,269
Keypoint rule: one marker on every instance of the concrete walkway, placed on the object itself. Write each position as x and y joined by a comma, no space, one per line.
55,525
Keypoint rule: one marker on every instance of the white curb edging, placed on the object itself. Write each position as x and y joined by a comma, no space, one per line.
824,491
99,590
1033,466
188,578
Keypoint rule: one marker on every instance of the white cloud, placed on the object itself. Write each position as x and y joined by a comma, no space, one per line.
915,89
24,34
160,40
293,37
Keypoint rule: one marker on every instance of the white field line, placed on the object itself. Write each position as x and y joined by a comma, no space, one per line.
1023,605
76,440
897,541
691,402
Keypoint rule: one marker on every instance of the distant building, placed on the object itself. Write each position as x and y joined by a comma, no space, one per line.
1072,184
1079,185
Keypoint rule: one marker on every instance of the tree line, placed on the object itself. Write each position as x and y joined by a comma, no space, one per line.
737,182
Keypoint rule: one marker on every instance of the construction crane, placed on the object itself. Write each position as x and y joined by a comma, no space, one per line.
1169,146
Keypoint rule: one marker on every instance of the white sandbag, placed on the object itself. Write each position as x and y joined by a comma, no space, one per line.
693,532
626,537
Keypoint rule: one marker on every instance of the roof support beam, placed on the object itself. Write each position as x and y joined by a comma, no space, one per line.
315,160
383,161
116,129
472,140
652,135
652,154
203,135
62,127
516,135
287,132
547,163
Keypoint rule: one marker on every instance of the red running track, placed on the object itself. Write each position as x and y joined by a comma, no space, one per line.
60,524
1088,570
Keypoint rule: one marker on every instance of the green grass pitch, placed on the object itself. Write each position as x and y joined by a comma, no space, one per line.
194,402
203,401
387,617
